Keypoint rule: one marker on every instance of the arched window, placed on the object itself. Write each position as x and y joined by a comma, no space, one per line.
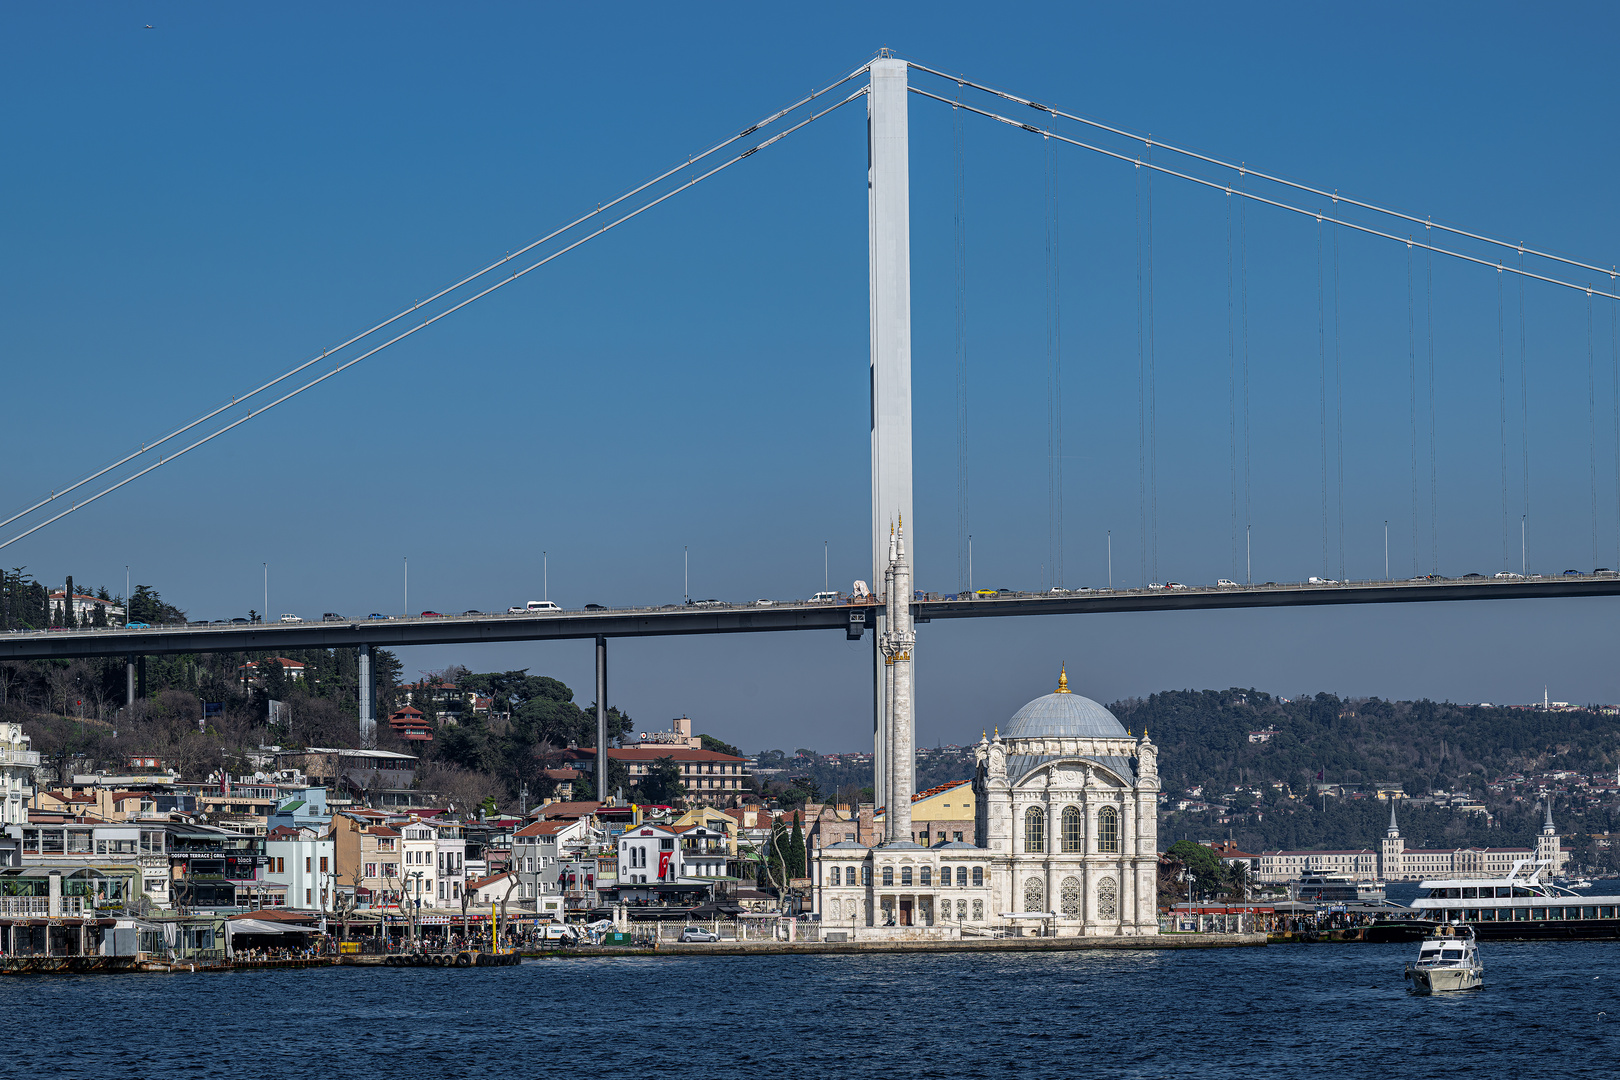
927,876
961,877
888,875
1070,895
978,879
1034,830
945,876
1108,830
835,876
1074,830
905,875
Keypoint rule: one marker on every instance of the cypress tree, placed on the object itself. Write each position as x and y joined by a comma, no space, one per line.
795,849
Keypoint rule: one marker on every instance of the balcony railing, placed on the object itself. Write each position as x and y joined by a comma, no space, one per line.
19,757
39,907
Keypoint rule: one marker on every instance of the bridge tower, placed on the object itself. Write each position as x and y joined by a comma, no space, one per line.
889,253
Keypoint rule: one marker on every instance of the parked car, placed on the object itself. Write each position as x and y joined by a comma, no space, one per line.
559,932
291,618
697,933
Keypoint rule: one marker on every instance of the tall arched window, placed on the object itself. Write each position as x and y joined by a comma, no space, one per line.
1108,830
835,876
1074,830
1034,830
905,875
888,875
978,879
927,873
961,877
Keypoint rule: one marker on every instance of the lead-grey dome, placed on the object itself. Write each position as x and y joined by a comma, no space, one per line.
1064,714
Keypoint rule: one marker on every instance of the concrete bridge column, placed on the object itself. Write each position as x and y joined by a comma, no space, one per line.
129,680
368,699
601,720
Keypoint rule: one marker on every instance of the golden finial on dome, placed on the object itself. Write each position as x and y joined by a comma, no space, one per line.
1063,679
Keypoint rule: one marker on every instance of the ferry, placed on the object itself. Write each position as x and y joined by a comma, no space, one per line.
1327,889
1517,907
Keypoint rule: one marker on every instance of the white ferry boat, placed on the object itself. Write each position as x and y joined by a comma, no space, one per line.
1518,906
1447,960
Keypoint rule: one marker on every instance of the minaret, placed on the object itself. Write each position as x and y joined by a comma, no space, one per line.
899,639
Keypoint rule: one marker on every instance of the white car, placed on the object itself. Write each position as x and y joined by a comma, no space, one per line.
824,598
1226,583
532,607
1322,581
291,618
1174,585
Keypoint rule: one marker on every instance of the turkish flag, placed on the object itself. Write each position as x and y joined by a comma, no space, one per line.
663,864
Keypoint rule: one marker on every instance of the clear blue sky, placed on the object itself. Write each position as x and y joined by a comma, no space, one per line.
195,206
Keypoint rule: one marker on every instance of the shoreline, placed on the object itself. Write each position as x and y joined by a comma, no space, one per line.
793,948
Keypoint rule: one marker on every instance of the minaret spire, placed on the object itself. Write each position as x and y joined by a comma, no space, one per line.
1394,829
1547,826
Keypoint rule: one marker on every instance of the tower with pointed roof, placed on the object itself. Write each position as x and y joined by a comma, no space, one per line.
1549,845
1392,850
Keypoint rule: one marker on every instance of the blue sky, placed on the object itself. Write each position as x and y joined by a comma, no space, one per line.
194,207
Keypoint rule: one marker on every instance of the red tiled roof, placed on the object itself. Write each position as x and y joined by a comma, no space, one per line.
474,886
543,828
936,790
566,809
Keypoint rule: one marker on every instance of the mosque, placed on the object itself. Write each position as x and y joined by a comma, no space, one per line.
1065,826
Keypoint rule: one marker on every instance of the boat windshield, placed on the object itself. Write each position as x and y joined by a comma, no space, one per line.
1451,954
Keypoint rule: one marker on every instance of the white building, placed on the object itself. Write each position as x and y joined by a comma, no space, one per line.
301,866
1066,840
419,860
451,848
18,765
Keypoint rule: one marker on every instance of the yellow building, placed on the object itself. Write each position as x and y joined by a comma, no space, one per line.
943,813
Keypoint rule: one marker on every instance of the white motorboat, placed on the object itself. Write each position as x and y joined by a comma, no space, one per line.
1447,960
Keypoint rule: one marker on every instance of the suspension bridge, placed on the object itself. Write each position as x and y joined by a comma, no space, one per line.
889,86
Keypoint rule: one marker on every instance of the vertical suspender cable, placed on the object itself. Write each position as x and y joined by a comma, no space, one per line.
1591,423
1153,380
1434,485
1248,501
1057,356
962,518
1321,356
1231,381
1411,362
1614,346
1501,386
1338,393
1524,423
1141,387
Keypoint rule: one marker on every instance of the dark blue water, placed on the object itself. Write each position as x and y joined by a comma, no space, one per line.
1283,1011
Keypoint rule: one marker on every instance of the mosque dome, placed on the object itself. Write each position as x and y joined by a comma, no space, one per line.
1063,715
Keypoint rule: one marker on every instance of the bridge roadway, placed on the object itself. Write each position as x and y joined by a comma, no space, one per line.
852,617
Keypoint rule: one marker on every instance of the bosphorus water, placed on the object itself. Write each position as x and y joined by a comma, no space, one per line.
1282,1011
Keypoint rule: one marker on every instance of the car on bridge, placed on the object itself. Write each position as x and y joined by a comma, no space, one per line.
1226,583
131,626
291,618
532,607
432,615
376,615
331,616
1508,575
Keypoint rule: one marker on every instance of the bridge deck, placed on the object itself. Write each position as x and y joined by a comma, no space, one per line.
755,618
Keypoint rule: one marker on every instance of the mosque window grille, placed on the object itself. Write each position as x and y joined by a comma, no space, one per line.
926,876
1108,830
1107,898
1069,893
888,876
905,876
1034,894
961,877
961,909
978,911
1074,832
978,876
1034,830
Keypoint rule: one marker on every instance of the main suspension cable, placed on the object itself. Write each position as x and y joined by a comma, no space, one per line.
1244,170
515,275
1291,208
601,209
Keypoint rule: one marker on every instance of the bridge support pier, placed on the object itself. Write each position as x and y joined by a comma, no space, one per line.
129,680
368,699
601,721
140,676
